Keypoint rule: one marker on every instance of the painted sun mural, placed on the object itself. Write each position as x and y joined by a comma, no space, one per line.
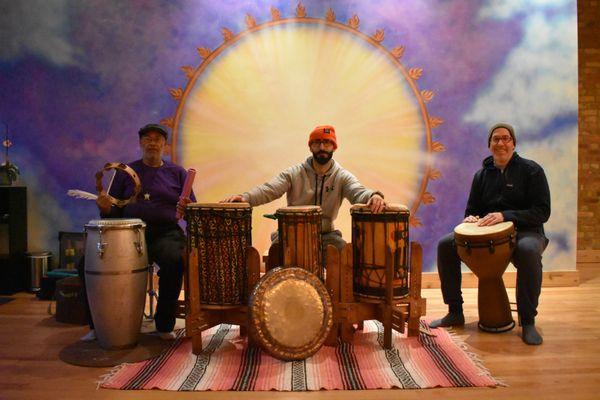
256,97
411,87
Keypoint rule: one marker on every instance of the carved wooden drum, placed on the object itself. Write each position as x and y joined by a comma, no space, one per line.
487,250
290,313
220,233
300,237
116,273
371,235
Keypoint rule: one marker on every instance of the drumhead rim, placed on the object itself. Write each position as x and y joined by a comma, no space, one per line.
506,229
218,206
389,209
115,223
299,209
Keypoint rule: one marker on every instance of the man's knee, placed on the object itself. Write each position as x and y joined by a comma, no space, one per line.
335,239
528,251
446,244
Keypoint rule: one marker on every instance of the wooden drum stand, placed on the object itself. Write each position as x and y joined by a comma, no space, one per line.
392,313
199,317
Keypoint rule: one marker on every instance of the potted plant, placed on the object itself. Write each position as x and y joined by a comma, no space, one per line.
8,171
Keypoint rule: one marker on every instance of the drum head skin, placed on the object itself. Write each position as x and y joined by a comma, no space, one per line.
300,209
389,208
115,223
217,206
290,313
471,229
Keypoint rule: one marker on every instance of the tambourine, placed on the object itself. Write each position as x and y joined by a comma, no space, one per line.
129,171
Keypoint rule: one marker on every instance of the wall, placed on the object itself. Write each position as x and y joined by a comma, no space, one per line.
588,216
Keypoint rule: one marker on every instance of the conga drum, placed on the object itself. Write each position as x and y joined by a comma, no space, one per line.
487,250
116,273
299,230
372,234
290,313
220,233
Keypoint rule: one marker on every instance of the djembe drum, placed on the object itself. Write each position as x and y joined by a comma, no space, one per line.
372,234
290,313
299,230
116,268
220,232
487,250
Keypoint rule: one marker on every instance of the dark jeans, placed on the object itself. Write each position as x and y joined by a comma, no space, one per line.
165,246
527,259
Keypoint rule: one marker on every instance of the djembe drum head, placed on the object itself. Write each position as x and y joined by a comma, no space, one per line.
487,250
290,313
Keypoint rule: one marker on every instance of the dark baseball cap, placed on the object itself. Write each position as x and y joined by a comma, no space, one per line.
154,128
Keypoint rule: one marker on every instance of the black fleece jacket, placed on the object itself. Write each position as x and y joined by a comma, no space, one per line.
521,193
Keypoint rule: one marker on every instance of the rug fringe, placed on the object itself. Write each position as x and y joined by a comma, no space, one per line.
474,357
110,374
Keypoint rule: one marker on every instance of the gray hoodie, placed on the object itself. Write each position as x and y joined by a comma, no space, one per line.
303,188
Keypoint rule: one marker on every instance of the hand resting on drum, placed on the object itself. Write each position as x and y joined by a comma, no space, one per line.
238,198
491,219
103,202
471,218
376,203
183,201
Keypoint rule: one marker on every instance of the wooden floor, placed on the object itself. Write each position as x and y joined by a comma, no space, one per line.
566,366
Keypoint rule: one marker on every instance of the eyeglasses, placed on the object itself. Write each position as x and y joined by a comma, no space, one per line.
498,139
325,143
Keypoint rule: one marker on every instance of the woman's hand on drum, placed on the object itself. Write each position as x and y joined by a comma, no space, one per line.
103,202
238,198
376,203
491,219
471,219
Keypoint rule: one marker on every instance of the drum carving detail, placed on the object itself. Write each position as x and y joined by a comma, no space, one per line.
371,234
221,233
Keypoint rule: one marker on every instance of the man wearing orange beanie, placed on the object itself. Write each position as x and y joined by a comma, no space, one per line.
317,181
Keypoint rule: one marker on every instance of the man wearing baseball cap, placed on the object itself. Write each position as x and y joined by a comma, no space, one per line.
317,181
162,183
506,188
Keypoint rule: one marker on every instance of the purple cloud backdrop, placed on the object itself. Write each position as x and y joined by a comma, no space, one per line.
79,78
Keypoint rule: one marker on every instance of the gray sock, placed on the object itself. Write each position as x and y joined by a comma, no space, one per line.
450,319
531,335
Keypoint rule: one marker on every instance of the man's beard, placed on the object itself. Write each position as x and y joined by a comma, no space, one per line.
322,157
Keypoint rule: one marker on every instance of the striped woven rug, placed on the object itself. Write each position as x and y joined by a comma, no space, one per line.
227,363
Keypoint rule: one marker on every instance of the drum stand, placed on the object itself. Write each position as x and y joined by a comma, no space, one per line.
200,317
392,313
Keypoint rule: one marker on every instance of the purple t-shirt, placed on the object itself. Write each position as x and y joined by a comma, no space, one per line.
156,203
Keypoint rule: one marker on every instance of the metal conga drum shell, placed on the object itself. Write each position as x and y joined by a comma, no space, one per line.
116,265
487,250
299,231
220,232
291,313
371,235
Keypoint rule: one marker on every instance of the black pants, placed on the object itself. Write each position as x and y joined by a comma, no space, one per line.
527,259
165,245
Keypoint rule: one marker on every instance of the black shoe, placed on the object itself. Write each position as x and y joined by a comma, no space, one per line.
451,319
531,336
